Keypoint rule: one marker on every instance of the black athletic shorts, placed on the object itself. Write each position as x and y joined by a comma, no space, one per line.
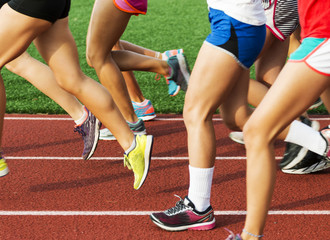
49,10
3,2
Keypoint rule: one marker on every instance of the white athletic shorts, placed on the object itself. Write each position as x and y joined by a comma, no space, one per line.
315,52
282,17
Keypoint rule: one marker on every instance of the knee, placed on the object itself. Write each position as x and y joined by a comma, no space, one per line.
91,57
94,57
254,135
194,115
88,60
234,123
188,115
70,84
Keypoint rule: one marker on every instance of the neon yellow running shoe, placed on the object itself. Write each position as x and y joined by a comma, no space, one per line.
3,167
139,158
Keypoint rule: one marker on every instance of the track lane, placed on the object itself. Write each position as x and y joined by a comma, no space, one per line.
68,184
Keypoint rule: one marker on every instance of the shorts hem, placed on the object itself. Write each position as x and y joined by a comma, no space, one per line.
133,10
227,52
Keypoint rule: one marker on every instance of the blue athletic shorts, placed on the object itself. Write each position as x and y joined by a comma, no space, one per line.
242,41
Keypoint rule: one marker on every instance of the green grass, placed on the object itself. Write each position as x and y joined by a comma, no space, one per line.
169,24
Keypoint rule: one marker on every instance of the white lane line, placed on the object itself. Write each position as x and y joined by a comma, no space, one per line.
39,118
142,213
114,158
156,119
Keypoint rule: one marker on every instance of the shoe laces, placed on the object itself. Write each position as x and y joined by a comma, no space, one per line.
127,163
179,207
79,130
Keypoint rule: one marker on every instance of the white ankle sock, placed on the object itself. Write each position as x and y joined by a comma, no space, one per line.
303,135
200,187
82,118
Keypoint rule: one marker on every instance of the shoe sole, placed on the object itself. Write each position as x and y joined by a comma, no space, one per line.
147,159
302,153
4,172
184,70
311,169
197,226
96,139
176,91
147,117
235,139
111,137
315,105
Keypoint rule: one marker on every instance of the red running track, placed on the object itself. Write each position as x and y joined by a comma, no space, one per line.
50,193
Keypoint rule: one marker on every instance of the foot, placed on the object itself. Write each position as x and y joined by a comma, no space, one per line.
3,166
137,128
90,131
183,216
299,160
237,137
139,158
232,236
173,88
325,133
146,112
180,71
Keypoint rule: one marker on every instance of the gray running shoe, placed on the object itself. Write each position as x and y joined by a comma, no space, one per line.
325,133
180,70
311,162
137,128
90,131
299,160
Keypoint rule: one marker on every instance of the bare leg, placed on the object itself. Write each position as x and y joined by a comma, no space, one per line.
269,118
10,49
58,48
133,87
41,76
203,98
294,41
110,23
326,98
2,108
267,67
141,50
127,60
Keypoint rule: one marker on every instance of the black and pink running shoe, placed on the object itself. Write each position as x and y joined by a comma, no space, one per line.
184,216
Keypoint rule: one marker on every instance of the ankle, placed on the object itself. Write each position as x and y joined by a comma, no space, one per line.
250,236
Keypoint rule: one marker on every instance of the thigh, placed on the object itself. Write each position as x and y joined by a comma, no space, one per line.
235,109
211,81
271,60
59,50
17,31
295,89
106,26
